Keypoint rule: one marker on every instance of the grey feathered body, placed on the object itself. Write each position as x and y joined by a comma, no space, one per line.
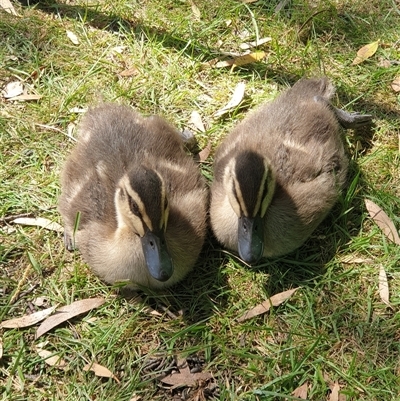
113,140
300,136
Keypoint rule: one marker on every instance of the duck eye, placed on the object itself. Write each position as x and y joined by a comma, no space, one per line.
134,207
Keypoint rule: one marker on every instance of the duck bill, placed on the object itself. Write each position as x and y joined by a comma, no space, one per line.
156,255
250,238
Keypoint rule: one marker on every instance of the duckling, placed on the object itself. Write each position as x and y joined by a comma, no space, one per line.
141,199
280,171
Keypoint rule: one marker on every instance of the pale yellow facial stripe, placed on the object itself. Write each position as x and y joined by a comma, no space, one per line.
239,194
164,212
145,218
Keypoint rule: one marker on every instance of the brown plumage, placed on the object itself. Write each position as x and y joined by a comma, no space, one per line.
141,198
280,171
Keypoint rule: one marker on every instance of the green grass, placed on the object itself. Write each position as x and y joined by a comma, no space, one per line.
335,328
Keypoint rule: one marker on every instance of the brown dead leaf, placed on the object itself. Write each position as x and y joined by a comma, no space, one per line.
396,84
185,378
1,348
51,359
68,312
25,97
248,1
39,222
129,72
301,392
383,286
196,11
136,398
196,121
241,60
256,43
203,154
235,100
335,388
100,371
264,307
27,320
352,259
365,52
383,221
8,7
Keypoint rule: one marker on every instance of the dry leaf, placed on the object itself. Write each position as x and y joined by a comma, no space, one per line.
196,121
383,221
264,307
1,348
248,1
259,42
40,301
68,312
334,395
8,7
13,89
27,320
203,154
351,259
100,371
383,286
241,60
396,84
196,11
185,378
51,359
39,222
235,99
136,398
25,97
365,52
129,72
72,37
301,392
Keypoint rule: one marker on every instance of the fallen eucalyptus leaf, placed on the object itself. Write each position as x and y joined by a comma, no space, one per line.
196,121
365,52
383,221
396,84
204,153
25,97
256,43
235,100
27,320
39,222
241,60
51,359
8,7
301,392
195,10
383,286
100,371
185,378
264,307
68,312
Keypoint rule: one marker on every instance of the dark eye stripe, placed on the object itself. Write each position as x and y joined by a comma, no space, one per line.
134,207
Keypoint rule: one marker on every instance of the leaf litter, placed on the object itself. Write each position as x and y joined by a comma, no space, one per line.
185,378
27,320
301,392
235,100
265,306
51,358
68,312
39,222
100,371
383,286
383,221
366,52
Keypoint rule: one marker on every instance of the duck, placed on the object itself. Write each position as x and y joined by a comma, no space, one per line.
132,200
280,171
